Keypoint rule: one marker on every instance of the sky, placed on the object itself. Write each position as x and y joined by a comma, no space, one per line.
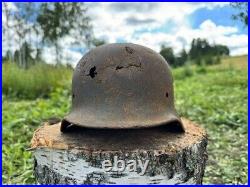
154,24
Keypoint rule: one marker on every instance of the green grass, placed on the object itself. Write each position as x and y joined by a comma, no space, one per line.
215,97
37,81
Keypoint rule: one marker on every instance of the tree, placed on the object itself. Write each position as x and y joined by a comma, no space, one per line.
58,20
27,51
242,7
221,50
38,57
182,59
97,42
6,29
199,47
8,57
19,21
202,52
45,24
24,52
168,54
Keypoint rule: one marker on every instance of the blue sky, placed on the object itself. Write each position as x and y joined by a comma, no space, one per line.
219,15
153,24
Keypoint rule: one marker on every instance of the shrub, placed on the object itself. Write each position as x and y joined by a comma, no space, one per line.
183,72
209,60
187,71
201,69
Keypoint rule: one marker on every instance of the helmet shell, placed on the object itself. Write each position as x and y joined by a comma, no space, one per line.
122,86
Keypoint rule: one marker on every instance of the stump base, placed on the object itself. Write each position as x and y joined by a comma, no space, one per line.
77,157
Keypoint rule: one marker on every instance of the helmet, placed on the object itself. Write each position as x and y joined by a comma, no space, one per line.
122,86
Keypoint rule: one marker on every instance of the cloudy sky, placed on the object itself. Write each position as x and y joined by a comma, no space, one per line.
153,24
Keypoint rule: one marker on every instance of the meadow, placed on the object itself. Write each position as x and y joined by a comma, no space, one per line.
215,96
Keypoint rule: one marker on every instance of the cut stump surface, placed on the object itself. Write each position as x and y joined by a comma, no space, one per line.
76,157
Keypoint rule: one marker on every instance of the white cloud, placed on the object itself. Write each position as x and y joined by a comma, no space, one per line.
111,22
208,30
109,19
135,23
211,27
67,56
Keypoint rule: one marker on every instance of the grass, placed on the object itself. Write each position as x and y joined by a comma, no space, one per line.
215,97
37,81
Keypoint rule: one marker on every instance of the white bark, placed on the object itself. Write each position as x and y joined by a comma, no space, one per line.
63,163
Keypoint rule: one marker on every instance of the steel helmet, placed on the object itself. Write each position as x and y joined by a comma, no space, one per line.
122,86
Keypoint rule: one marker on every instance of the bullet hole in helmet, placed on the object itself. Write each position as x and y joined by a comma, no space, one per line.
166,94
92,72
129,50
118,67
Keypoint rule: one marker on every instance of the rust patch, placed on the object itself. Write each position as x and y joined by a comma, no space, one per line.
129,50
128,66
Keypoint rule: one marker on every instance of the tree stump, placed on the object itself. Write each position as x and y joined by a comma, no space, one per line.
77,157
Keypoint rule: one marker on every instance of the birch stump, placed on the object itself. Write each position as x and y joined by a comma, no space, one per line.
76,157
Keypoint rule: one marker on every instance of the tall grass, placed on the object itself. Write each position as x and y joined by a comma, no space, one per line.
37,81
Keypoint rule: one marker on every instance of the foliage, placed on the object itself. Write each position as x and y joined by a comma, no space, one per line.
201,50
168,54
217,99
182,58
23,57
242,7
200,53
20,118
97,42
21,23
39,25
58,20
37,81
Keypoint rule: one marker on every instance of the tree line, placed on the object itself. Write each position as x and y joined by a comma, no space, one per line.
200,53
37,25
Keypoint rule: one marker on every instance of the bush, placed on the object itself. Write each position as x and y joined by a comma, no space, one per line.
187,72
209,60
201,69
183,72
37,81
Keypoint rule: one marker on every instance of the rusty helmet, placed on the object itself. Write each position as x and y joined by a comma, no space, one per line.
122,86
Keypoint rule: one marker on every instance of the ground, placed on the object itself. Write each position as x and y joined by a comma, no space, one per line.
216,97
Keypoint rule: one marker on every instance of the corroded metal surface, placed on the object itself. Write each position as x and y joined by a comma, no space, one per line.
122,86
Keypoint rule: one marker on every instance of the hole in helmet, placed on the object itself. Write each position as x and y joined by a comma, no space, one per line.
166,94
118,67
73,96
92,72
